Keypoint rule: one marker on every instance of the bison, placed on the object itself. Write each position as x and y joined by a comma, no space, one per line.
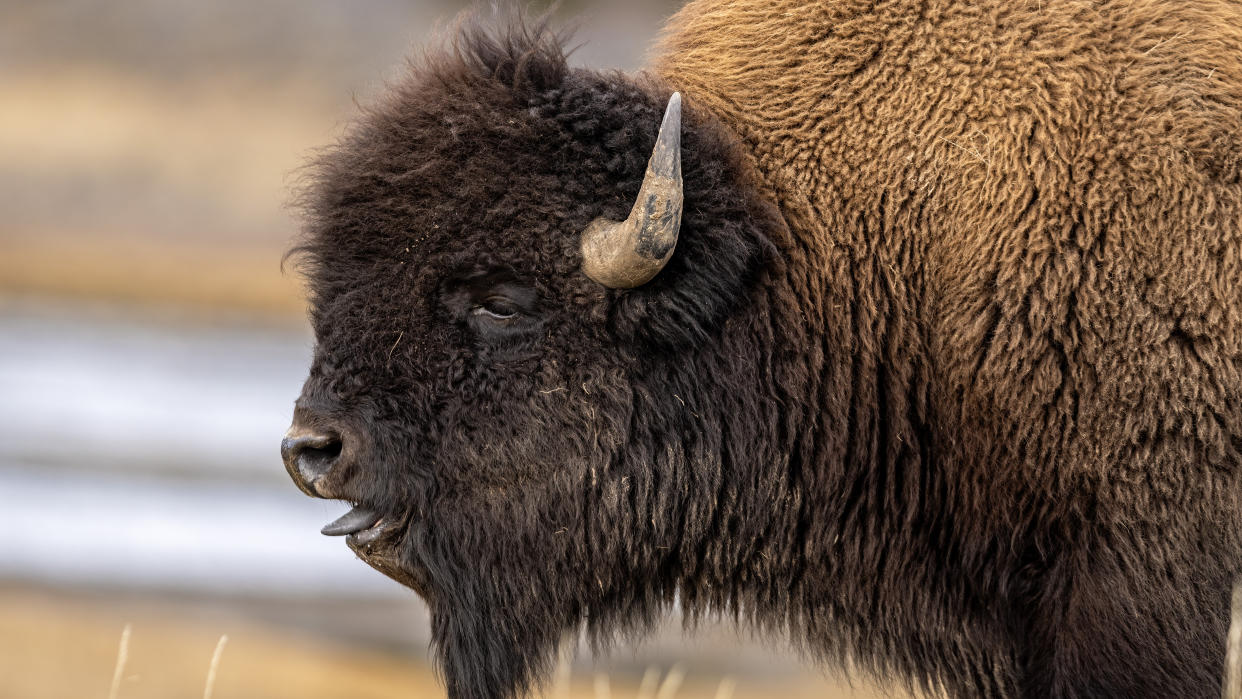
908,331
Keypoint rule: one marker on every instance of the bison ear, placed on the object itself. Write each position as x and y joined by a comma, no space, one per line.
626,254
725,249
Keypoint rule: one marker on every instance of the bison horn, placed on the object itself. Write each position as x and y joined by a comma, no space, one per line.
626,254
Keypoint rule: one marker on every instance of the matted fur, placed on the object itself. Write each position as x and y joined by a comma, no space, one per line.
942,381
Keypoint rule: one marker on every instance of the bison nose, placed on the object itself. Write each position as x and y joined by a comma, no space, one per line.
309,456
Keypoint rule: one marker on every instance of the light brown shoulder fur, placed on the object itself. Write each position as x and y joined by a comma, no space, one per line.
1032,209
1053,186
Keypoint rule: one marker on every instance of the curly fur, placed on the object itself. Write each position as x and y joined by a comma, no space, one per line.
941,383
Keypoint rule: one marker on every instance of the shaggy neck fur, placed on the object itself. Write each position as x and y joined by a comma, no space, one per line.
806,443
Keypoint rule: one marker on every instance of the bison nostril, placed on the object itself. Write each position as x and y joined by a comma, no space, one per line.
319,459
309,456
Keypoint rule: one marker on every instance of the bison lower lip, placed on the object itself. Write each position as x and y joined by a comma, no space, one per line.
359,519
366,536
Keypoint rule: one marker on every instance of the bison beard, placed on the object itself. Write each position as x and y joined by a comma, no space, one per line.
941,381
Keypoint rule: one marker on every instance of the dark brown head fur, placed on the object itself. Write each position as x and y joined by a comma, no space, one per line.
548,461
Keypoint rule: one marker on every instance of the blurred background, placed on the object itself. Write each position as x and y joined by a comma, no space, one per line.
151,348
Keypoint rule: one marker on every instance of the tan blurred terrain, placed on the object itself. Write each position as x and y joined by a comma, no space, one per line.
132,194
65,646
149,151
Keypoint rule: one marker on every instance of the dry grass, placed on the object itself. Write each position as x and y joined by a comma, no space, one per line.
1233,646
57,646
214,668
122,657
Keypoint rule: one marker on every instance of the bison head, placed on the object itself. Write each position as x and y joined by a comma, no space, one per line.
519,384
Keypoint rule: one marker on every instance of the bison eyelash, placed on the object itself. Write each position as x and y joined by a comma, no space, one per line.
501,313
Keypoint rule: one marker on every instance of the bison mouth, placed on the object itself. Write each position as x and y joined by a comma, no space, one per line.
375,537
361,526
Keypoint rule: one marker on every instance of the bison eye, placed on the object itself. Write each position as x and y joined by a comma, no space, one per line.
500,311
497,308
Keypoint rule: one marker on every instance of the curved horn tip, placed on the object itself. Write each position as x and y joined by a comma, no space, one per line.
629,253
666,156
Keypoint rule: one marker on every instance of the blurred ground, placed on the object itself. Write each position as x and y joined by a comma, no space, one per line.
58,645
